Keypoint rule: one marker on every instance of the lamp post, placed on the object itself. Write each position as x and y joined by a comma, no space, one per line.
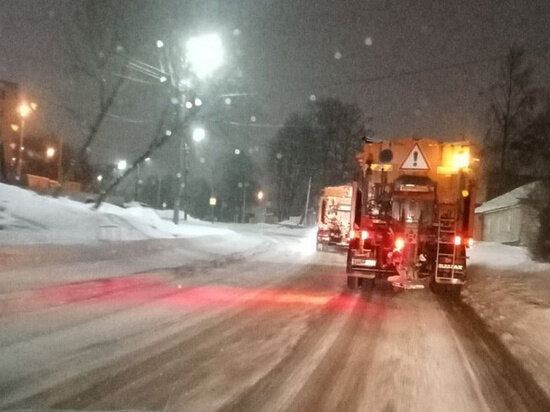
198,134
24,110
243,208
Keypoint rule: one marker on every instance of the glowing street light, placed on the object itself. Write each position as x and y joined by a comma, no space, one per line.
204,54
99,178
122,165
198,134
260,195
50,152
24,110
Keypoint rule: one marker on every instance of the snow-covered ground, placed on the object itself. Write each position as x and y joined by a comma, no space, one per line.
29,218
46,241
511,293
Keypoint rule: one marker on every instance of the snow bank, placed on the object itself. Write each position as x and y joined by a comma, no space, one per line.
496,255
29,218
512,294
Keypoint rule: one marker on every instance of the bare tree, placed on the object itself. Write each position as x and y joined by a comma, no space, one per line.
321,143
513,99
96,40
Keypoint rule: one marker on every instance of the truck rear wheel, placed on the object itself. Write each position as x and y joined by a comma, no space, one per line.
352,282
368,284
454,291
348,263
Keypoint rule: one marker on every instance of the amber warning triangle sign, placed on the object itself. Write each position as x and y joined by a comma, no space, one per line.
415,160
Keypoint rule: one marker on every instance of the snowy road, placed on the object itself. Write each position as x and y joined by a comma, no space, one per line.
271,330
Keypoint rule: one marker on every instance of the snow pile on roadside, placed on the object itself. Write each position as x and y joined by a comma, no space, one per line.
496,255
29,218
512,294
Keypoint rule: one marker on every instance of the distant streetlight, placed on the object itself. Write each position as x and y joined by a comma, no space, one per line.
204,54
147,159
122,165
99,178
50,152
24,110
260,195
199,134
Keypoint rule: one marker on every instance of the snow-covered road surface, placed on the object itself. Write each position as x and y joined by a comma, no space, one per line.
271,329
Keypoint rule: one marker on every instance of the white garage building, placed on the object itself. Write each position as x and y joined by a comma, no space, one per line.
508,218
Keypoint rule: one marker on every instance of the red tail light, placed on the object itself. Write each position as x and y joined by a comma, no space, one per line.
458,240
364,235
399,243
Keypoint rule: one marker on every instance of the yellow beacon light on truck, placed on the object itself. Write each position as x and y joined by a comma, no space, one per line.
461,159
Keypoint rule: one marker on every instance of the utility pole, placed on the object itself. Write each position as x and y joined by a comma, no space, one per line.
159,187
60,162
137,182
185,173
20,157
307,201
181,181
243,207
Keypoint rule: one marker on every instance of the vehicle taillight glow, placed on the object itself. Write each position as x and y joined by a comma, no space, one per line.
364,235
399,243
352,234
458,240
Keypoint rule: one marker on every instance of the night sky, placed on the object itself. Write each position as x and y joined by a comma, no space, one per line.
415,67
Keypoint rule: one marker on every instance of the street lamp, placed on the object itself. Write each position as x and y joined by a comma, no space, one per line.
198,134
260,195
50,152
122,165
204,54
243,209
24,110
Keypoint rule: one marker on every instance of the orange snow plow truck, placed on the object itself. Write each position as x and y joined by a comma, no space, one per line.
412,213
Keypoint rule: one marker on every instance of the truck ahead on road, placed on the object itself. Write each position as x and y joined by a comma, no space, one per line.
334,217
412,213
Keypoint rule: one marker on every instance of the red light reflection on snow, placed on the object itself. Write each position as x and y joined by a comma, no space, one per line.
152,289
